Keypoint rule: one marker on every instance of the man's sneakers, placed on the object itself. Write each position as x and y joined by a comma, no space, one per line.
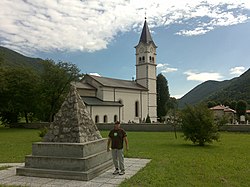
116,172
122,173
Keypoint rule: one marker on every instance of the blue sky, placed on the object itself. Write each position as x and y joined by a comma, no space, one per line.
197,40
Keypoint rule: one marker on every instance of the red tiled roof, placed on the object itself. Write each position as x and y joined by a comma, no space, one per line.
224,108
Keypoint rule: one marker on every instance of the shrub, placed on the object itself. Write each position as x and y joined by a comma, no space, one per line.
148,120
42,132
198,125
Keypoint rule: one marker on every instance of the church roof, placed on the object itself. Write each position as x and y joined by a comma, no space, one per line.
83,85
118,83
145,35
94,101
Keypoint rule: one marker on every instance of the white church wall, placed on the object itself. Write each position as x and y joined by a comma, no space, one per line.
101,111
88,93
108,94
129,98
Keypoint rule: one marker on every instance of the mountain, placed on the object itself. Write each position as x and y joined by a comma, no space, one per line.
14,59
219,91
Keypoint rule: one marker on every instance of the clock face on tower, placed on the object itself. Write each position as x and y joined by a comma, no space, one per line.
141,50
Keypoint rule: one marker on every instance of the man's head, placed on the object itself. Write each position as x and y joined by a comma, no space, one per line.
117,125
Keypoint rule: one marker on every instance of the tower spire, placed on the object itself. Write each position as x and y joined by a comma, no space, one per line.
145,35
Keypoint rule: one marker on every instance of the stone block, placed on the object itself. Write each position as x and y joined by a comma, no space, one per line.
58,149
79,161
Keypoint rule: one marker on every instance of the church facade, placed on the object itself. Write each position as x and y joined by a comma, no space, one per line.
109,100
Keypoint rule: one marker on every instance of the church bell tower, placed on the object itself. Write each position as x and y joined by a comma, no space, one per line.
146,68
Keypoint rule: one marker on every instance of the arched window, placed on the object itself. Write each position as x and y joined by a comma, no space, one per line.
96,119
115,118
150,58
105,119
139,59
143,58
136,109
153,59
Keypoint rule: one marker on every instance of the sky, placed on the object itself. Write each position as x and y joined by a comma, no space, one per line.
197,40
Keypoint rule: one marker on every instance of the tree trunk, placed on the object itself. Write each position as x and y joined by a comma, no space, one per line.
26,117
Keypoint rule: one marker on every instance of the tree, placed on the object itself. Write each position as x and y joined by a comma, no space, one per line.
211,104
162,96
19,94
241,107
233,105
198,125
173,119
55,84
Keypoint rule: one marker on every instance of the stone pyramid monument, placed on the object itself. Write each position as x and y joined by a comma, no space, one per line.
72,149
72,123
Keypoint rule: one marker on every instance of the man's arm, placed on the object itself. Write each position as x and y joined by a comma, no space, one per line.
108,144
126,142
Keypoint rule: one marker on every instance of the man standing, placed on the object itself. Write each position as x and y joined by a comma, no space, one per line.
116,137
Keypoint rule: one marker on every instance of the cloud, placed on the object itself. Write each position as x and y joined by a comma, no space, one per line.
178,96
163,68
237,70
204,76
90,25
95,74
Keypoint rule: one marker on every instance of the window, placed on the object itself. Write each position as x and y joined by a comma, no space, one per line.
150,58
115,118
153,59
139,59
143,58
136,109
105,119
96,119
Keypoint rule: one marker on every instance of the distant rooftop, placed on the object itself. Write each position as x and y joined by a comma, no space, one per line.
224,108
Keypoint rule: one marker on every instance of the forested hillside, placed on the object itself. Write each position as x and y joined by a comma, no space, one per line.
219,91
14,59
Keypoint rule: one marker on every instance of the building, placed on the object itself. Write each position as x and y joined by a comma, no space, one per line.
221,110
109,99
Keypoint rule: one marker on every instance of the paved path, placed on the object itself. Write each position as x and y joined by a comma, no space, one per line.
107,179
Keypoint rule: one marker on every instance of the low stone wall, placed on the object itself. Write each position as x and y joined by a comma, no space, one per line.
38,125
144,127
235,128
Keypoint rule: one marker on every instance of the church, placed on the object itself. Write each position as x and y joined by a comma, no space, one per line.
109,100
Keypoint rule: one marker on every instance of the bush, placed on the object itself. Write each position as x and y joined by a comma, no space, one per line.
148,120
198,125
42,132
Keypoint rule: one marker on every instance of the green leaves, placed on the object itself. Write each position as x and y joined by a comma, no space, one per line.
29,93
198,125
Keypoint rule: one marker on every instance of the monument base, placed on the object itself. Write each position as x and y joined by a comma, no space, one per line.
75,161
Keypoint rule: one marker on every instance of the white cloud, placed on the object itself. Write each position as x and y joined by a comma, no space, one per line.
90,25
95,74
204,76
178,96
237,70
163,68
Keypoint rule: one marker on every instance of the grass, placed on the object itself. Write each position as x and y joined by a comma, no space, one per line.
16,143
175,162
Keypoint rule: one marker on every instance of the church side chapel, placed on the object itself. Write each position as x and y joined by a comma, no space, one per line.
109,100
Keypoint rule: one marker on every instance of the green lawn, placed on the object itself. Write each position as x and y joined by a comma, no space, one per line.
174,162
